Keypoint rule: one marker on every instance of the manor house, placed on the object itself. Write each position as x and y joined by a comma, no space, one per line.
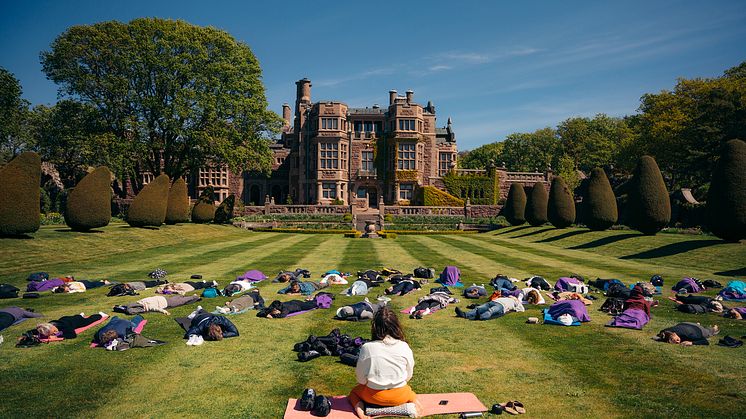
330,152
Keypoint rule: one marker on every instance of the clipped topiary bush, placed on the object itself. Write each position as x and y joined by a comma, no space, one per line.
515,206
561,205
536,206
89,203
225,210
726,200
148,209
20,195
648,203
599,204
178,203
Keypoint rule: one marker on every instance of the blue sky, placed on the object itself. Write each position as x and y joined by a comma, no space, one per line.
493,67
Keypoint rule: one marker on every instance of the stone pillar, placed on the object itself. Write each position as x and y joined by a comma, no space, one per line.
467,209
319,193
267,205
381,212
338,187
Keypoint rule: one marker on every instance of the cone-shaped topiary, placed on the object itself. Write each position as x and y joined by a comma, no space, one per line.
536,206
89,203
515,205
599,204
726,200
225,210
20,195
148,209
648,203
178,203
561,206
203,212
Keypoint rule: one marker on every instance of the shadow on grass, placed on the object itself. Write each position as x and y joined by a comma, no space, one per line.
512,229
534,232
603,241
69,230
673,249
563,236
16,237
733,272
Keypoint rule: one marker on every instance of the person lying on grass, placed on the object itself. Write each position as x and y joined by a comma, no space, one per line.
79,286
384,367
287,276
697,304
687,334
185,287
156,303
12,315
736,313
492,309
300,287
65,326
438,298
404,287
201,325
245,302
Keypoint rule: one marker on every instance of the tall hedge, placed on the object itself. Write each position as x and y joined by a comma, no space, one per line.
561,206
89,203
536,206
148,209
20,195
204,209
648,203
726,200
178,203
599,204
225,210
515,205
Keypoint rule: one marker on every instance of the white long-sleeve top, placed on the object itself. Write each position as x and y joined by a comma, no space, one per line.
510,304
385,364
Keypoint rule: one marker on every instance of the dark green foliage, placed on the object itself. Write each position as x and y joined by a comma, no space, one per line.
178,203
203,212
726,201
89,203
149,207
536,207
648,203
599,203
207,195
515,206
224,213
20,195
561,205
431,196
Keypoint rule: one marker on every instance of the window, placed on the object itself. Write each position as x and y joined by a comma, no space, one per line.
444,163
377,127
367,161
329,155
329,190
213,177
406,157
405,191
329,123
358,126
343,155
406,125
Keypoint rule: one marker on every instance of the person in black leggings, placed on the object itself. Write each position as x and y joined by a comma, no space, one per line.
279,309
65,326
688,334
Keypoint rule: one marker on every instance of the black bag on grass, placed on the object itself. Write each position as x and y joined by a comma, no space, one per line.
613,306
8,291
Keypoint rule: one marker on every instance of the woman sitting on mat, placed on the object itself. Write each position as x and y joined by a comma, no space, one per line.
687,334
79,286
384,367
65,326
300,287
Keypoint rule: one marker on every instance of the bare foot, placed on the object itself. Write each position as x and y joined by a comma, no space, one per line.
360,411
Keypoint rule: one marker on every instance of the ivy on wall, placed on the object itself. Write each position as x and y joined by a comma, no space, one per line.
433,197
406,175
480,189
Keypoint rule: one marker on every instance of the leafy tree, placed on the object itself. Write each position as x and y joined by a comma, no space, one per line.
648,203
13,117
726,201
175,95
593,142
531,151
482,156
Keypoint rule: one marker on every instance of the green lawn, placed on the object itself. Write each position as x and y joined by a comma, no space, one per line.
555,371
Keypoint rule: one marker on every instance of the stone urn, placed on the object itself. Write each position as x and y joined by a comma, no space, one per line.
370,230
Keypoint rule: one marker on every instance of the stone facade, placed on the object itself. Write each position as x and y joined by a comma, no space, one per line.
330,152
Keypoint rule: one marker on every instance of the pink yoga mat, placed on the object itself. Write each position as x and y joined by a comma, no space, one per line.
341,408
408,310
77,331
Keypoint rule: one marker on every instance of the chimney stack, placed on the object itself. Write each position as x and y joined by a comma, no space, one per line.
392,97
304,90
410,96
286,115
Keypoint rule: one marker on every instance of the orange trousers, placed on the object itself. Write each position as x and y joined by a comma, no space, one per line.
390,397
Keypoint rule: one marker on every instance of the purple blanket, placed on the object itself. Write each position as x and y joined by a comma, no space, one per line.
252,276
689,284
563,284
741,310
632,318
450,276
575,308
37,286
